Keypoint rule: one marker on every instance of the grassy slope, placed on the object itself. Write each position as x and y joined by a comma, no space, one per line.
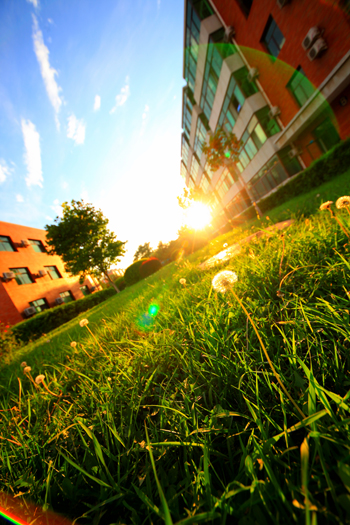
228,447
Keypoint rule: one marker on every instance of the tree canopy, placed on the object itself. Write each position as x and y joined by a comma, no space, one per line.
143,251
82,240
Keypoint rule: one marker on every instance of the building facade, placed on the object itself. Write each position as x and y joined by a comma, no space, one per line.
31,280
276,74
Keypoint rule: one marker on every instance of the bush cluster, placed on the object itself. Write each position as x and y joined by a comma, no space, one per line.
120,283
150,266
44,322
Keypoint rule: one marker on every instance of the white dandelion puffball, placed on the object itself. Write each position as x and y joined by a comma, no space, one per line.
73,344
182,281
83,322
225,245
223,281
23,364
343,202
39,379
27,369
326,205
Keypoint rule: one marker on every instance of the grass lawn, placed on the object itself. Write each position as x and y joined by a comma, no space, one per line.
183,404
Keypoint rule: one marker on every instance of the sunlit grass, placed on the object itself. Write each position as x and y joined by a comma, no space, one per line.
169,409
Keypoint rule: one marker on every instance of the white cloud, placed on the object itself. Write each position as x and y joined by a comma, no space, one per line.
47,72
65,185
97,103
48,218
19,198
122,97
76,129
57,208
34,2
32,157
4,170
158,4
50,21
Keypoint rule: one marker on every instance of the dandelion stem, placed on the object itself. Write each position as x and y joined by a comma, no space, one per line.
48,390
100,347
340,224
267,355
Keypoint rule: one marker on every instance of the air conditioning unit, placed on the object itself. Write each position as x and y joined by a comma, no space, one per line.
282,3
274,111
294,152
253,73
42,273
29,311
59,300
319,46
9,275
310,38
93,288
229,34
25,243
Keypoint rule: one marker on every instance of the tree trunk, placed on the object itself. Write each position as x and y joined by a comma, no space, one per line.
112,283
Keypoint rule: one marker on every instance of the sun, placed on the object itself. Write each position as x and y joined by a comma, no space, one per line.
197,216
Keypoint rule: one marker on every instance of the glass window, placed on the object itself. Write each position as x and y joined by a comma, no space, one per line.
185,148
216,53
205,183
53,272
224,183
22,275
267,178
203,8
273,38
193,25
85,290
67,296
183,171
269,125
5,244
37,246
300,87
326,135
40,305
245,6
238,204
187,114
200,138
194,168
291,165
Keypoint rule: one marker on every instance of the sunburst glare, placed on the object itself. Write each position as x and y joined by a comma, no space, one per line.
198,216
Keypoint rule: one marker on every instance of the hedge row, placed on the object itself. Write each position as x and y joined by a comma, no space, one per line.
333,163
44,322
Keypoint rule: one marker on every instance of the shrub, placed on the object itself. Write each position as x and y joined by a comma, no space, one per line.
48,320
8,342
150,266
120,283
132,273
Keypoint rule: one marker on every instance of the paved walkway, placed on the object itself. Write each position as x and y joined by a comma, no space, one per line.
235,249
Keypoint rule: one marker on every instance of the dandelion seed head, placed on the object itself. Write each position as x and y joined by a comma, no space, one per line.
73,344
225,245
343,202
182,281
23,364
39,379
109,379
223,281
326,205
27,369
83,322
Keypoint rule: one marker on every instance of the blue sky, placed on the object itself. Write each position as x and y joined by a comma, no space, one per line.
90,107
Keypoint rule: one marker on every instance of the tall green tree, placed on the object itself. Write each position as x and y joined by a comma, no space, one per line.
83,241
143,251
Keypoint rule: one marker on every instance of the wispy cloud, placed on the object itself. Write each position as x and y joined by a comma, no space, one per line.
158,4
48,73
122,97
97,103
144,117
76,129
65,185
34,2
19,198
32,156
57,208
4,170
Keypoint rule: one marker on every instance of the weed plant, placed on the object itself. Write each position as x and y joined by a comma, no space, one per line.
166,409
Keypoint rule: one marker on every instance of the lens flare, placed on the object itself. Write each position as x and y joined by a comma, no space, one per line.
198,216
146,320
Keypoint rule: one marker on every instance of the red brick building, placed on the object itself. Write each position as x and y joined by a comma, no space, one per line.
277,74
31,280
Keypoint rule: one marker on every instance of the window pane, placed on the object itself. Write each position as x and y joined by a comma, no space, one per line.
85,290
22,275
273,37
250,148
5,244
37,246
53,272
67,296
259,136
40,305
